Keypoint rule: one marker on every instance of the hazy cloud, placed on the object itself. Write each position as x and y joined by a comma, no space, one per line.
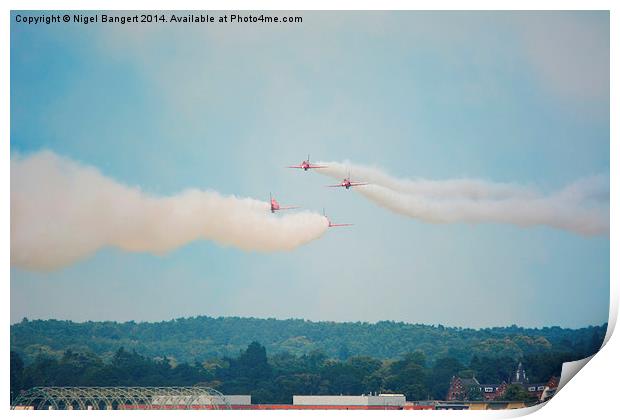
582,207
62,211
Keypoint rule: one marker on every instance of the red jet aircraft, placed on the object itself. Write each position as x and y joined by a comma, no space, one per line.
275,206
305,165
330,224
347,183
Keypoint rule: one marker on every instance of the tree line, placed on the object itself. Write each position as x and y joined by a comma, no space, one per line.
277,377
202,338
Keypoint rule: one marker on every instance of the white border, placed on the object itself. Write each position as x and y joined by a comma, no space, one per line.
593,395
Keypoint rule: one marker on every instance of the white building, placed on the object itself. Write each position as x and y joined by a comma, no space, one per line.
397,400
202,400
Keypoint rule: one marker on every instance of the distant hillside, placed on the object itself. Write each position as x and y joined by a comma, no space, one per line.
201,338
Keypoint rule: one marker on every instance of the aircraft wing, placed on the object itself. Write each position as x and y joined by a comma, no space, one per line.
339,185
298,167
289,208
358,184
316,166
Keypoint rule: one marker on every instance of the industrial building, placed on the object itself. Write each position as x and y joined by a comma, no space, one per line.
200,400
382,400
205,398
127,398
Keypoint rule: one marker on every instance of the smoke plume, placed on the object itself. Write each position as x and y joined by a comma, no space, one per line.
63,211
581,207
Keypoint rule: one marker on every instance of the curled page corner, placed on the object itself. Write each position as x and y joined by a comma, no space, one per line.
570,369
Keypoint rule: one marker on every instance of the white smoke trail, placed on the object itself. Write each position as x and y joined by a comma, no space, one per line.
62,211
582,207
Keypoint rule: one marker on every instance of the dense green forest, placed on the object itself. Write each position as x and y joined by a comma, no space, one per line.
202,338
298,356
275,379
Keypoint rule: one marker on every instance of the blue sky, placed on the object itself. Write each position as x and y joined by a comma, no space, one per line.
506,97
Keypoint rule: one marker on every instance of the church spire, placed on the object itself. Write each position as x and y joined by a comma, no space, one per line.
520,377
